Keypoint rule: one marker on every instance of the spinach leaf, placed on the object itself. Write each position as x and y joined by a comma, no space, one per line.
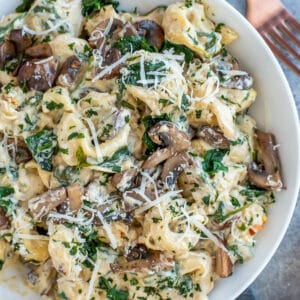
13,171
114,163
213,161
149,121
42,146
67,175
252,193
134,74
234,249
112,293
89,7
62,296
185,286
179,49
133,43
6,191
219,215
25,6
9,204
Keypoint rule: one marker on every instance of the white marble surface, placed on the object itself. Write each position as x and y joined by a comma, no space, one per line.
280,280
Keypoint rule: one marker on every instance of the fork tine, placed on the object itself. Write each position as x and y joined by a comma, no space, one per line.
279,54
286,30
275,35
290,19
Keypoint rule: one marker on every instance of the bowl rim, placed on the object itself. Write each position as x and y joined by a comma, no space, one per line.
295,117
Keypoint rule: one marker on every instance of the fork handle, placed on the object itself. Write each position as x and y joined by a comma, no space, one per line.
258,12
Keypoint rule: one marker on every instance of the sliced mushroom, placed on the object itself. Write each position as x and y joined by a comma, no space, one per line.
70,72
124,180
38,74
214,137
139,251
75,193
153,33
41,205
42,50
41,278
166,134
223,263
267,177
17,150
4,220
173,167
155,262
21,39
7,52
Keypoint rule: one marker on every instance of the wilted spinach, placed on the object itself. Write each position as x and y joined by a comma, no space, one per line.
42,146
89,7
213,161
179,49
133,43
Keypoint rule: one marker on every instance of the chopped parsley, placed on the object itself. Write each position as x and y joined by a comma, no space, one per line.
53,105
76,135
89,7
112,292
133,43
179,49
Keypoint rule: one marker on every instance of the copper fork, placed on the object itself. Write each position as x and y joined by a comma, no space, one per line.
276,25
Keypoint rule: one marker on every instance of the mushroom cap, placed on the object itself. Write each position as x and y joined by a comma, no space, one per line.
7,52
153,33
21,40
213,136
41,50
18,150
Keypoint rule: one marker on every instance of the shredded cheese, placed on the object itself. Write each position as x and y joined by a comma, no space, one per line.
93,278
107,228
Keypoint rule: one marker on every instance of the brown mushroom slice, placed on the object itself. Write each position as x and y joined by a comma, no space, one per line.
156,158
70,71
41,278
38,74
18,150
153,33
97,39
41,205
21,39
7,52
139,251
124,180
4,220
75,193
223,263
213,137
167,134
42,50
173,167
156,262
268,177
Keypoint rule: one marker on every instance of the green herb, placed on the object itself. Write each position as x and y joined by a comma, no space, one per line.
53,105
133,43
185,286
31,122
112,293
219,27
198,113
213,161
127,104
25,6
62,296
1,264
73,250
114,163
212,40
12,170
133,76
179,49
6,191
156,220
239,141
194,40
42,146
243,227
67,175
34,100
252,193
76,135
89,7
185,102
219,215
63,150
164,102
149,121
206,199
90,112
134,281
8,87
188,3
81,159
234,249
235,202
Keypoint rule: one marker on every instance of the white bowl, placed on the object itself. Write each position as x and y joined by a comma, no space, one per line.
274,110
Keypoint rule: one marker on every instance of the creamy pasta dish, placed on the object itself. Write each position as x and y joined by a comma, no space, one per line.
129,166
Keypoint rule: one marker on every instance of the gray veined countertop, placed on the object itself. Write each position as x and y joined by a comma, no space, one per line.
280,280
